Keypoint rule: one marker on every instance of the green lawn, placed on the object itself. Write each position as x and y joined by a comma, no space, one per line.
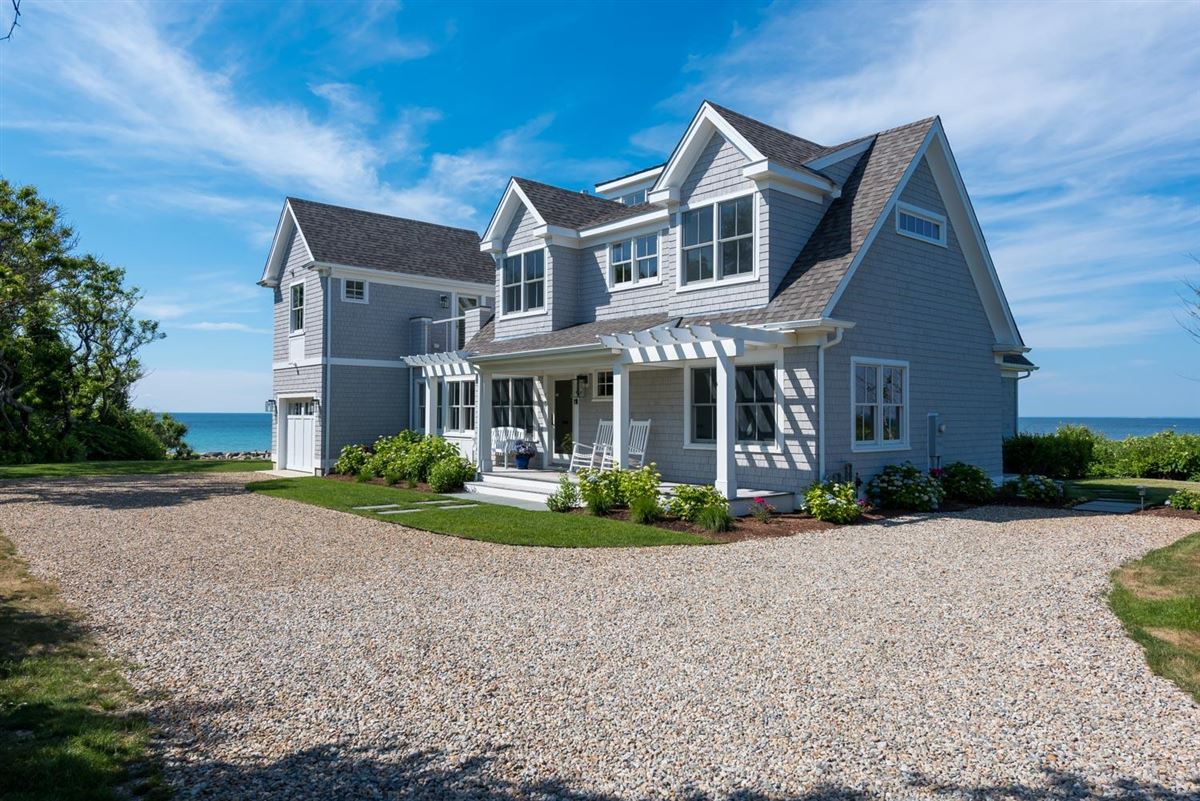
66,730
1157,597
1157,489
129,468
503,524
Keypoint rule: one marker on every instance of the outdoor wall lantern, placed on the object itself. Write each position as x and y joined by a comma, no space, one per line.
269,406
445,301
581,385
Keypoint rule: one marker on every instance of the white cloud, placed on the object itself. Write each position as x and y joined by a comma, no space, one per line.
216,390
236,327
1077,129
347,101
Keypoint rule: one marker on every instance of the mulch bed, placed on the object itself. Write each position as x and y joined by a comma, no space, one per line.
1167,511
744,528
420,486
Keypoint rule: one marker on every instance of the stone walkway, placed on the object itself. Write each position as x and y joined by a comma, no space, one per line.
301,653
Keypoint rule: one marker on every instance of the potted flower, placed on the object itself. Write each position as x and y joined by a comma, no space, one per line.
524,451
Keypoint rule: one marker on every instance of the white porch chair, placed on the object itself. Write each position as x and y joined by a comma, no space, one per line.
639,437
505,438
591,455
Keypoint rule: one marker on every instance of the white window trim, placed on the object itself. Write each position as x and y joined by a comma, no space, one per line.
450,406
635,282
296,332
759,359
879,446
716,281
926,214
596,396
366,298
537,311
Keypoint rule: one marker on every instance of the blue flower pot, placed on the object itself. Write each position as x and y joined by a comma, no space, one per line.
523,462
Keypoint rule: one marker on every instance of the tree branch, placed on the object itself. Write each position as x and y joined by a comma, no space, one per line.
16,4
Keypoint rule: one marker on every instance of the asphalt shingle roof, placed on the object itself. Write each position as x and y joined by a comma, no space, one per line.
338,235
1018,360
776,144
576,210
584,334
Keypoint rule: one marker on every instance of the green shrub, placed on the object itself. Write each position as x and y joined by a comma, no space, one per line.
642,483
601,490
905,486
715,517
833,501
689,499
967,483
1040,489
1067,453
104,442
407,456
565,498
450,473
1185,499
646,509
1165,454
351,460
761,510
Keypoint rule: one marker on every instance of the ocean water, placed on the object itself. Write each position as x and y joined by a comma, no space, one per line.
1114,427
226,431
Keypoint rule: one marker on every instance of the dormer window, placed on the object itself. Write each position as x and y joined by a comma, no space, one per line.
634,198
633,261
524,280
920,224
733,221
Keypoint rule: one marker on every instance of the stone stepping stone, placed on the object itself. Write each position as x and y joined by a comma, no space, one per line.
398,511
1111,507
379,506
460,506
431,503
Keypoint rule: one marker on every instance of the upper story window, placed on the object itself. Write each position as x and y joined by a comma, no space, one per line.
297,307
354,291
633,261
733,221
634,198
524,278
880,398
920,224
604,384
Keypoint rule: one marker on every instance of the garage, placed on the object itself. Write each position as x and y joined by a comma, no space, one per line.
299,434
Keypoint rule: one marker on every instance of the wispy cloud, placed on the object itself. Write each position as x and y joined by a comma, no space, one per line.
225,327
1077,129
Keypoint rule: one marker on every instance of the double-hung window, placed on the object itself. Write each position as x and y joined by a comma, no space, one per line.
297,307
524,282
731,253
462,405
604,384
754,400
880,404
622,263
512,403
646,251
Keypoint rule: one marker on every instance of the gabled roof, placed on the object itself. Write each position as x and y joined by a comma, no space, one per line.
773,143
355,238
814,277
484,343
575,210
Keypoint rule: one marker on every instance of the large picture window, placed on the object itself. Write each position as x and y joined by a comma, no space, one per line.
880,404
297,308
512,403
524,282
731,253
462,405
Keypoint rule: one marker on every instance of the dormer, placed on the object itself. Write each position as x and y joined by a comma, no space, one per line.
631,189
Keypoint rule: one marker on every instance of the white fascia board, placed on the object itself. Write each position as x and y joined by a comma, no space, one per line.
667,197
405,279
276,258
620,185
827,323
657,217
840,155
527,354
502,216
1001,347
706,122
764,170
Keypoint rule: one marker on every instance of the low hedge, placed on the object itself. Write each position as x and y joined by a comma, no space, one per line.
1076,452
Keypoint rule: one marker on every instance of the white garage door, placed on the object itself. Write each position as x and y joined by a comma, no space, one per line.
300,435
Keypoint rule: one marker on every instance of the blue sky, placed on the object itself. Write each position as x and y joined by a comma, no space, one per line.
170,133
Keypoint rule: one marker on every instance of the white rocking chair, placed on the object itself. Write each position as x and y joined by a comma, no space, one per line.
639,438
600,453
591,455
504,439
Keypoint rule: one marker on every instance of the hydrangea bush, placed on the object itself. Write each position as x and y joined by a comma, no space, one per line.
833,502
1039,489
689,500
905,486
967,483
1185,499
351,460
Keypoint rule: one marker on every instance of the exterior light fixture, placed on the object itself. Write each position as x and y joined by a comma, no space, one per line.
581,385
444,300
1141,491
269,406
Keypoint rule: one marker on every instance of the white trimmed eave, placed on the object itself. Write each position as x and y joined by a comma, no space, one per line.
514,197
404,279
804,183
849,151
276,258
706,122
654,218
629,182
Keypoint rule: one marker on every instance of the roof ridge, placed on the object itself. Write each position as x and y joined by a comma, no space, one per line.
293,198
723,109
577,192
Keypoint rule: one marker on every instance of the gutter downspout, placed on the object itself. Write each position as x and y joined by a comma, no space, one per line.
837,338
328,390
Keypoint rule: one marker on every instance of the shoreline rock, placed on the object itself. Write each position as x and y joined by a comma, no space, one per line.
242,456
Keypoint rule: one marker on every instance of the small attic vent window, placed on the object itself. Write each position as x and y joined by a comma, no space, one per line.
920,224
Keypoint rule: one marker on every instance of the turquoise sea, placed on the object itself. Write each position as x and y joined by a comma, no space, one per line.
1114,427
218,431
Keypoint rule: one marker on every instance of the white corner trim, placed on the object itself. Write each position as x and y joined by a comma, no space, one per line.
931,216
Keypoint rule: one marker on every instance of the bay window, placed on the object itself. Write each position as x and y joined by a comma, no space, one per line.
880,397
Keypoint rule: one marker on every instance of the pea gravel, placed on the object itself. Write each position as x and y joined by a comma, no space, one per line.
295,652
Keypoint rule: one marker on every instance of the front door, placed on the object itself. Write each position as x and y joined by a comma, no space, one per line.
564,415
301,432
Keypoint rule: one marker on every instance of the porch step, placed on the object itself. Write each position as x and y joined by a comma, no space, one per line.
516,493
537,486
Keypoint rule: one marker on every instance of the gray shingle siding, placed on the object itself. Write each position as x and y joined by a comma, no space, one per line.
519,237
293,269
597,302
916,301
380,328
564,264
717,172
1009,407
366,403
786,222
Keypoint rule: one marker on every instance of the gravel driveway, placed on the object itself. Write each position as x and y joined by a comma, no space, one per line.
305,653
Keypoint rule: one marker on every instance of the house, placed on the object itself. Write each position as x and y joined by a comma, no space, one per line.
779,310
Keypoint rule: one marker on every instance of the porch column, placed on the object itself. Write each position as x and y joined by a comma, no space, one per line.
483,422
726,482
620,412
431,385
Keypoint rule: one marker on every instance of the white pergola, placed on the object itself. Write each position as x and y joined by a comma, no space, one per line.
435,366
669,343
